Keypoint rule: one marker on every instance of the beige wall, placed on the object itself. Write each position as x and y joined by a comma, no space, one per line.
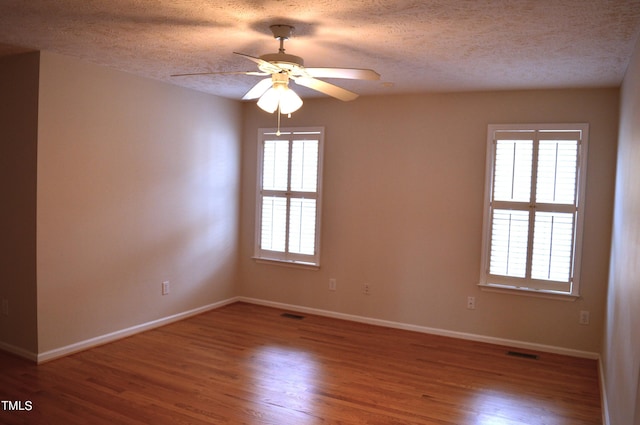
18,156
137,184
403,196
621,352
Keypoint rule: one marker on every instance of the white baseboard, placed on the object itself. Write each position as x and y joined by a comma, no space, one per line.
427,330
113,336
603,394
29,355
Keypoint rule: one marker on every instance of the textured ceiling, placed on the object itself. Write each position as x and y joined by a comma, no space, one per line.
416,45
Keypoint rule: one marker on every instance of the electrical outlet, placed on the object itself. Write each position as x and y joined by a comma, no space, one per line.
471,303
584,317
5,307
165,287
332,284
366,289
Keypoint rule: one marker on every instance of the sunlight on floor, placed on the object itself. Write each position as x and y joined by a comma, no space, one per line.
495,407
285,380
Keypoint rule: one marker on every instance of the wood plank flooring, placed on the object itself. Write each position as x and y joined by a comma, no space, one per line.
246,364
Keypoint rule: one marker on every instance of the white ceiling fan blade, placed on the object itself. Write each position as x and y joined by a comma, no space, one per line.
261,74
326,88
259,89
351,73
264,65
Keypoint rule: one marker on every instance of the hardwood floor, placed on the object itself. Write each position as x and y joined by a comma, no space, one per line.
246,364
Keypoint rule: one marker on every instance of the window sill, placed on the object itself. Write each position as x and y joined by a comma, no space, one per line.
285,263
528,292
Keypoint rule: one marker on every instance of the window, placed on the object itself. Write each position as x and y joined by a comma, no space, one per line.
289,195
534,203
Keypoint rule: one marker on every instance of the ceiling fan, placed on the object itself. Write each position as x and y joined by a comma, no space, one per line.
282,67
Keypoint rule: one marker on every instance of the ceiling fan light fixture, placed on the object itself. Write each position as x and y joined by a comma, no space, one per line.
280,96
268,102
289,101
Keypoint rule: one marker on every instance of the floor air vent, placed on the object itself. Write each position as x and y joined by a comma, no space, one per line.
522,355
292,316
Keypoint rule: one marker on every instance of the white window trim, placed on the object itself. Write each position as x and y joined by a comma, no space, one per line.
485,279
289,260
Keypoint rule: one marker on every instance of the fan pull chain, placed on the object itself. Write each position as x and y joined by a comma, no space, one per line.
288,116
278,131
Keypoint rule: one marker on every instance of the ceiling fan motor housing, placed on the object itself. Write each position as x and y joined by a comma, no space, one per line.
284,60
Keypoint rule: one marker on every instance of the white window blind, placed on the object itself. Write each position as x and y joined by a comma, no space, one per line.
534,200
288,195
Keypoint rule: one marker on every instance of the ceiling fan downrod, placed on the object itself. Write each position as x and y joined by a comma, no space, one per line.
281,33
